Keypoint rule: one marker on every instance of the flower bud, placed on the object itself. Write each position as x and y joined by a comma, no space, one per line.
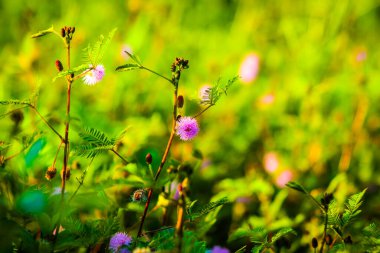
50,173
58,65
63,32
73,30
180,101
148,158
314,243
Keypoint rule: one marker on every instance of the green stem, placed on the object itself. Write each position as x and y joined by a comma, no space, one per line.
324,231
154,72
163,160
46,122
201,112
117,153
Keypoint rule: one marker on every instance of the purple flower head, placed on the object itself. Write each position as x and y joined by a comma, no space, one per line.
218,249
187,128
94,75
119,240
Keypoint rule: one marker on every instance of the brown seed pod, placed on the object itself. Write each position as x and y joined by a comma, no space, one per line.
148,158
50,173
180,101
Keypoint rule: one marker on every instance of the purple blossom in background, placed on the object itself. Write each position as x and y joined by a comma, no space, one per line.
361,56
284,178
271,162
94,75
187,128
119,240
218,249
249,68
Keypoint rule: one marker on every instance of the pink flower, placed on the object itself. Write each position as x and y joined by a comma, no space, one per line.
271,162
249,68
361,56
94,75
267,99
284,178
187,128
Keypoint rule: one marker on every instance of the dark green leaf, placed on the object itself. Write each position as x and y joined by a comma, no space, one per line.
43,33
296,186
128,66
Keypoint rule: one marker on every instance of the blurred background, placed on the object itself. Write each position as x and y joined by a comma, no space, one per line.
305,108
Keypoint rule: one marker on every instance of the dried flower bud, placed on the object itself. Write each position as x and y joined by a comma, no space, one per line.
328,239
148,158
314,243
73,30
180,101
58,65
63,32
50,173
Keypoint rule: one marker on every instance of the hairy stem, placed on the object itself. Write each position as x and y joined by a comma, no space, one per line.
163,160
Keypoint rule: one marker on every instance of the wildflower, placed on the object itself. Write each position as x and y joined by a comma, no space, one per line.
271,162
267,99
94,75
118,241
249,68
187,128
218,249
284,178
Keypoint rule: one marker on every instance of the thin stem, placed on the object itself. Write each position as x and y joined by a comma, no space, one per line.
205,109
180,220
46,122
56,154
157,74
81,180
324,231
122,158
163,160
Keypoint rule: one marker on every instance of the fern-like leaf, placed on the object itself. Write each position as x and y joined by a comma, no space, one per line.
93,54
94,143
352,207
213,94
282,233
200,211
14,102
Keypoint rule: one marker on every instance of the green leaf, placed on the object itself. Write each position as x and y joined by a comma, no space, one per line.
128,67
200,211
352,207
134,57
257,249
43,33
213,94
94,143
93,54
281,233
64,73
296,186
14,102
